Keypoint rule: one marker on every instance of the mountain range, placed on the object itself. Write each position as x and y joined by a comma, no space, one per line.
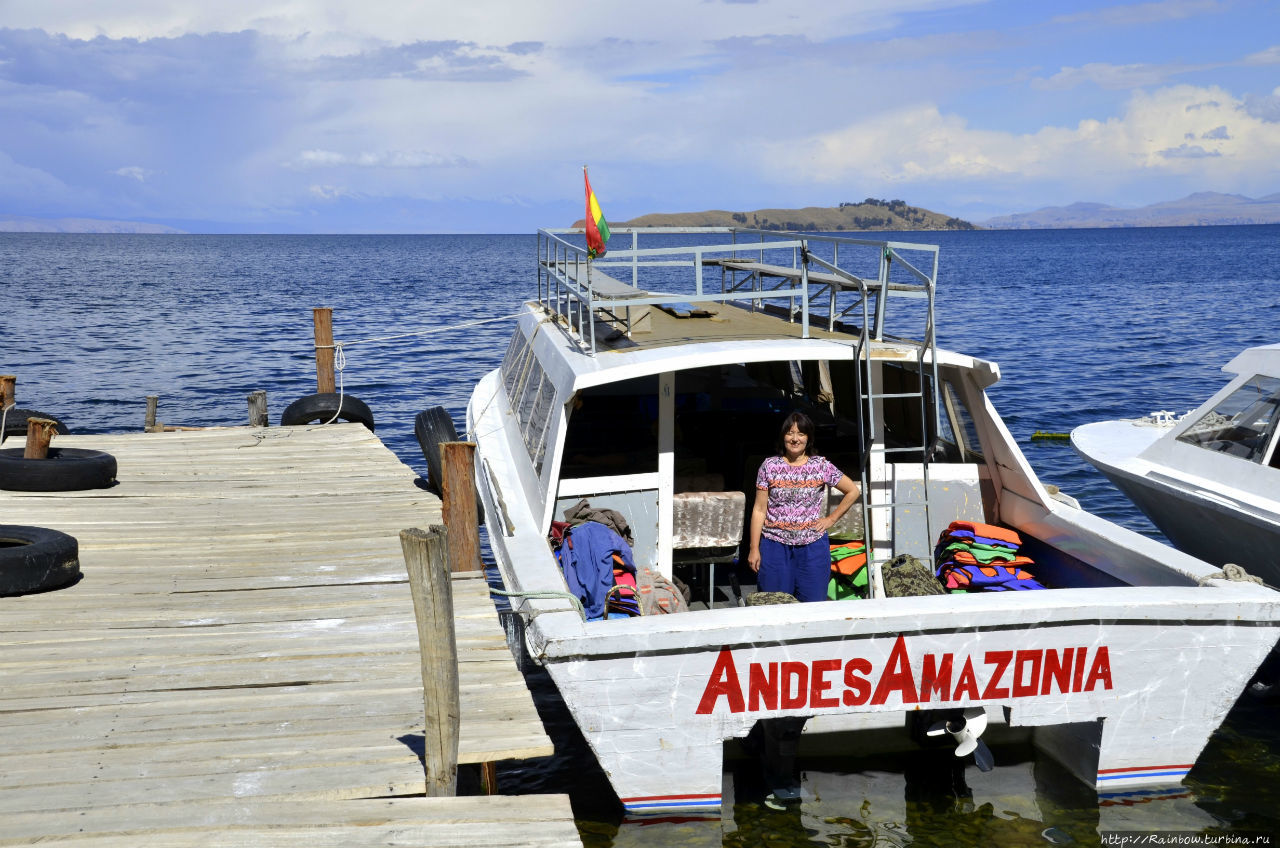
1205,208
23,224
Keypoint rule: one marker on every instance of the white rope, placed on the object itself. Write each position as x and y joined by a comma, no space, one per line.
340,356
1232,572
427,332
4,418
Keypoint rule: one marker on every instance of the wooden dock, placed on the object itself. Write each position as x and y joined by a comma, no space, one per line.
239,663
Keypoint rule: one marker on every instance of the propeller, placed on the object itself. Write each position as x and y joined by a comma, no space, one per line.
966,728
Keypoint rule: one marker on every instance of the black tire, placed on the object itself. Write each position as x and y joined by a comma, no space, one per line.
318,409
433,426
15,422
64,470
33,559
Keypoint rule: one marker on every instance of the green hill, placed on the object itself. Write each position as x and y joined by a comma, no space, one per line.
870,214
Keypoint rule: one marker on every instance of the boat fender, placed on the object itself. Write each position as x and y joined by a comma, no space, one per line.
433,426
321,408
35,559
15,422
63,470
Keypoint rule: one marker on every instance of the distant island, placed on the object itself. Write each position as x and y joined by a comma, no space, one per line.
870,214
1202,209
23,224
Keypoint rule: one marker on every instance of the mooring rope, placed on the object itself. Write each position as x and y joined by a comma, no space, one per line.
4,419
476,323
1233,572
340,356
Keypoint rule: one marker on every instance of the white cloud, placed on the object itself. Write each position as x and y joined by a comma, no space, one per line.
134,172
331,192
1270,56
921,145
1115,77
376,159
482,21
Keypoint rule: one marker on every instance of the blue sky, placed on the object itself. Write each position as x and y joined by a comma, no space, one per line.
327,116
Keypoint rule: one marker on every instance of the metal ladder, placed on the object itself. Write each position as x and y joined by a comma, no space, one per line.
880,507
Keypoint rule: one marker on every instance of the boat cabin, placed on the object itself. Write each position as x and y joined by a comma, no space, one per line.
662,405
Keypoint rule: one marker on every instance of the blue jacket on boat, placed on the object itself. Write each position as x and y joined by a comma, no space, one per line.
586,557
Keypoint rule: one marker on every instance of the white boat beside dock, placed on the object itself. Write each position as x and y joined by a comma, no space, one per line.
652,383
1210,480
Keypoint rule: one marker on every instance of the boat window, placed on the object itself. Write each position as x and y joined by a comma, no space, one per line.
1243,423
514,363
536,426
613,430
957,436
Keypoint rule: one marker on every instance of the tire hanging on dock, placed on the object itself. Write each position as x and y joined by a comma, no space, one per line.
35,559
320,408
15,422
433,426
63,470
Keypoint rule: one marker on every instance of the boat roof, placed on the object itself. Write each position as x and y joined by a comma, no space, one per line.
736,336
741,309
1263,359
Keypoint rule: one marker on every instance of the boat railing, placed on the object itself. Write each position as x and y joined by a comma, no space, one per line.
753,266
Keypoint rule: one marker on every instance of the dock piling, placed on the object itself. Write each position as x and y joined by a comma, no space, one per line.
149,425
258,409
8,388
425,558
322,318
458,496
39,432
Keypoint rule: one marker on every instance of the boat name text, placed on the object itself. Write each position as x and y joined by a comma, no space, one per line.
829,683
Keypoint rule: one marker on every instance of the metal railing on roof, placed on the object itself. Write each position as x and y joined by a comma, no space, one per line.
583,293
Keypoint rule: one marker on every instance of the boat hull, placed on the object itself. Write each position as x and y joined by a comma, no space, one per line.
1120,695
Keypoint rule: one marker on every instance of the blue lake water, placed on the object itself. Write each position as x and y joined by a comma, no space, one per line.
1085,325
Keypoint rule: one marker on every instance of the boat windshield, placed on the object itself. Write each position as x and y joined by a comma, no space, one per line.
1243,424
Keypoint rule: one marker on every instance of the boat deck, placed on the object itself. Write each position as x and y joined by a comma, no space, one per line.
240,660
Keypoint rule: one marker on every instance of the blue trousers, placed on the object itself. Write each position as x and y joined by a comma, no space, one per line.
800,570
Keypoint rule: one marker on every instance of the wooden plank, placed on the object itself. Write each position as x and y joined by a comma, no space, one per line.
535,820
244,630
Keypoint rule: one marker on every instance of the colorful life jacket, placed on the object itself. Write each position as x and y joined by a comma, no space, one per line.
848,571
976,557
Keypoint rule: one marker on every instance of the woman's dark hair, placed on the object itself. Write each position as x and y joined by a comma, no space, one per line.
804,424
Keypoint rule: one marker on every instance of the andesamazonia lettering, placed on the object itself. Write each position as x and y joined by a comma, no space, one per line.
852,682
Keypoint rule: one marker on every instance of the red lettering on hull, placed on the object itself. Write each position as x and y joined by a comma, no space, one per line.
830,683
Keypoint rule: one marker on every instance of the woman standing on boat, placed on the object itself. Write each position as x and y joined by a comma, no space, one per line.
790,550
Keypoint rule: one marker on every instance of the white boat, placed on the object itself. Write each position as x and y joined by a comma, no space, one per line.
653,383
1210,479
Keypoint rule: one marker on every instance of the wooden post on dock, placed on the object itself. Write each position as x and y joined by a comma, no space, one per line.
458,493
149,424
8,389
322,317
425,555
258,409
39,432
458,508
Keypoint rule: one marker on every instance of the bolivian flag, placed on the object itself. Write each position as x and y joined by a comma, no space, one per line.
597,226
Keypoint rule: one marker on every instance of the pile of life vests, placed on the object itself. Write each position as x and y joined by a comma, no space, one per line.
848,570
976,557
